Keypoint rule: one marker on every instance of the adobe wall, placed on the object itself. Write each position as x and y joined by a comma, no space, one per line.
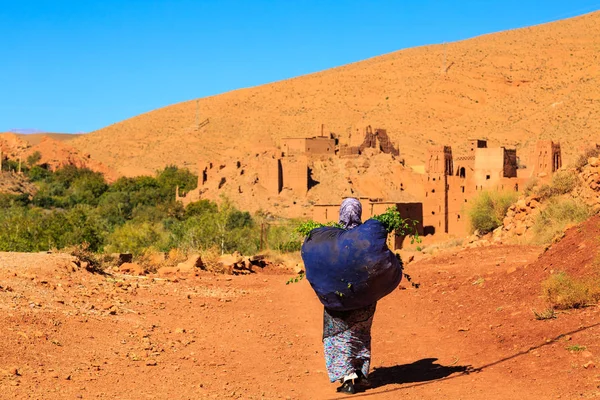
545,158
320,145
460,190
324,213
407,181
464,166
378,140
435,204
440,160
291,146
270,176
489,166
348,151
294,174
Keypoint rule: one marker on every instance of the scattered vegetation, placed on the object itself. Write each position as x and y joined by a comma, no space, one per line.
448,244
530,186
305,228
562,182
390,219
558,214
548,313
297,278
564,292
582,160
393,222
488,209
86,257
576,348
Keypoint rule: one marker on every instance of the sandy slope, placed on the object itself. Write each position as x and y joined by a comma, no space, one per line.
35,138
511,87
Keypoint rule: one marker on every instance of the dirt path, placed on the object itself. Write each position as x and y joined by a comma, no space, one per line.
467,333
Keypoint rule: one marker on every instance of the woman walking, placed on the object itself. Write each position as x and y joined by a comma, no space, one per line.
347,334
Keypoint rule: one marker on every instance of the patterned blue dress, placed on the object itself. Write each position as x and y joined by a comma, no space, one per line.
347,341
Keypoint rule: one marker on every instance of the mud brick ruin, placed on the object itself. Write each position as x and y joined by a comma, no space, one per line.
271,170
448,184
288,169
378,140
306,146
448,187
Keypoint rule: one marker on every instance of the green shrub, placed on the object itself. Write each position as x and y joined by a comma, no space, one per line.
75,205
199,208
488,209
13,200
558,214
31,229
172,177
285,237
38,173
563,291
34,158
135,238
85,226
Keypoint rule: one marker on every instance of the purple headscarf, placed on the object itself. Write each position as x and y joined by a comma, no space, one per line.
350,213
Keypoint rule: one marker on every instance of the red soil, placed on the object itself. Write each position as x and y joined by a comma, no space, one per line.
468,332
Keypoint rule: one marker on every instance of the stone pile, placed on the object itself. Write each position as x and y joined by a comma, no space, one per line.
520,218
235,264
589,192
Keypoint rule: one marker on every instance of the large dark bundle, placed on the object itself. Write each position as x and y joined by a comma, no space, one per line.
350,269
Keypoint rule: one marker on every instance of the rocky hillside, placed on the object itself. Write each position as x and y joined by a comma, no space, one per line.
572,196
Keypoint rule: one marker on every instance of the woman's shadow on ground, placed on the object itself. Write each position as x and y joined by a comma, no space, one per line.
420,371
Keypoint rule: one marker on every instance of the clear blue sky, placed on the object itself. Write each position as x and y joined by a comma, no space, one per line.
80,65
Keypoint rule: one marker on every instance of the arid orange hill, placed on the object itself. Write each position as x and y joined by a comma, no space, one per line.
35,138
511,88
54,150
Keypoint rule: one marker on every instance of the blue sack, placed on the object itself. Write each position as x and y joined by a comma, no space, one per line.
350,269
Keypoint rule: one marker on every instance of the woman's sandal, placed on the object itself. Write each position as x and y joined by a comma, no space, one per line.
347,387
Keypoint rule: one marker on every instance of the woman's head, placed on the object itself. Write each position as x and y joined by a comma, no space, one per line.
350,213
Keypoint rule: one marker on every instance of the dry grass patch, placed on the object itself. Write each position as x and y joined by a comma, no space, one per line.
563,182
557,216
563,291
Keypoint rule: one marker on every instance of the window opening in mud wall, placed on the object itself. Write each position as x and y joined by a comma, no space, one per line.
487,177
462,188
462,172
